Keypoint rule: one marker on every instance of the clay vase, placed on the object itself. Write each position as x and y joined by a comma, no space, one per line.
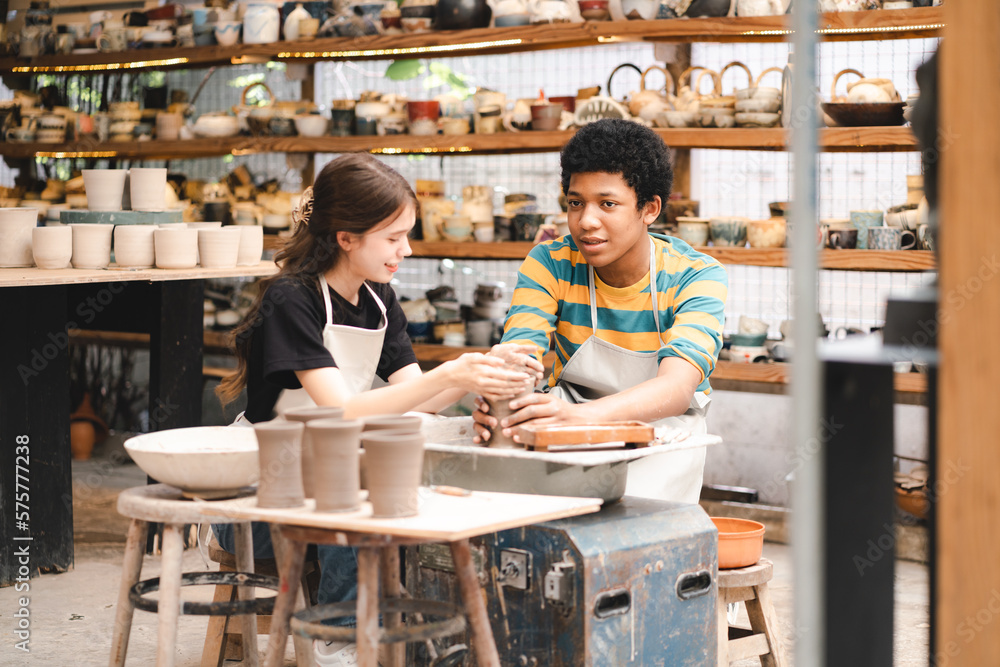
394,462
86,429
279,446
306,415
336,454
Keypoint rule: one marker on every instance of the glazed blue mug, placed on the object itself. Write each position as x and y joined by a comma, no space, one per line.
890,238
862,220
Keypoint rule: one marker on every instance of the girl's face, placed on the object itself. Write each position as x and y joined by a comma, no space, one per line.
376,254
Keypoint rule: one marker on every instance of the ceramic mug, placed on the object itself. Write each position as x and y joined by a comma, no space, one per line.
890,238
728,232
693,231
113,39
862,220
926,237
341,122
842,239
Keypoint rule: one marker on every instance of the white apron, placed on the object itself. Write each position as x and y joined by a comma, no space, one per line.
599,368
355,349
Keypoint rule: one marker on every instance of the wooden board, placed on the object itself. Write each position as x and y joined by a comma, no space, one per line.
29,277
442,517
585,436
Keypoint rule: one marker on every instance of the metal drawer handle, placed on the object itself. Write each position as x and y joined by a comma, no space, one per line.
693,584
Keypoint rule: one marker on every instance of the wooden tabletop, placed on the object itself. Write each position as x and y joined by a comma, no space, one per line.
31,277
442,518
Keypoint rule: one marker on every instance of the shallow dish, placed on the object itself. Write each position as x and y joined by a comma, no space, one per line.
846,114
757,119
759,105
203,462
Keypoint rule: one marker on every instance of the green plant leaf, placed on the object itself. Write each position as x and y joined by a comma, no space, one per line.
402,70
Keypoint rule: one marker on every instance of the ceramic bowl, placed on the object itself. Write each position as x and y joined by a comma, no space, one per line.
693,231
311,125
907,218
416,24
216,125
758,105
741,542
512,20
203,462
728,232
757,119
766,233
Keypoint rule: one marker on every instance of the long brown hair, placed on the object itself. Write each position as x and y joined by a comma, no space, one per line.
353,193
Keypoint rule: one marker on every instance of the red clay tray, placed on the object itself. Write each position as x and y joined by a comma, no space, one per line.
586,436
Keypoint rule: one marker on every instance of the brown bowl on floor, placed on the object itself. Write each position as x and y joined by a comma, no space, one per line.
847,114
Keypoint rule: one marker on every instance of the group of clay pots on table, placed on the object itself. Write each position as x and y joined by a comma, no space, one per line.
312,452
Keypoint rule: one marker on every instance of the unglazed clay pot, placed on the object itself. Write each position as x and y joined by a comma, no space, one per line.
105,188
219,248
15,236
176,248
279,446
383,422
91,246
394,462
134,245
52,247
306,415
336,450
148,188
251,245
500,407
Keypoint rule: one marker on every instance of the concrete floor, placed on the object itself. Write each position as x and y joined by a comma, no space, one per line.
72,614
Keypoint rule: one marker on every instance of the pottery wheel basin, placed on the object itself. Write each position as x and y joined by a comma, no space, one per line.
451,459
203,462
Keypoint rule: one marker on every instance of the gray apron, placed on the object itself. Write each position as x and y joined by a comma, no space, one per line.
599,368
356,350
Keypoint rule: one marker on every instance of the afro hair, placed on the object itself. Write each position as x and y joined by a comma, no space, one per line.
623,147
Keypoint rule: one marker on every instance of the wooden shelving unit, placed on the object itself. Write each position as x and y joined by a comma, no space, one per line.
848,260
845,26
837,139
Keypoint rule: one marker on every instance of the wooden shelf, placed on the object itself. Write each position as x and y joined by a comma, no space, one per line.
847,260
32,277
839,139
845,26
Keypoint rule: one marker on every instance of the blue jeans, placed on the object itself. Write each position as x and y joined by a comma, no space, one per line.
338,566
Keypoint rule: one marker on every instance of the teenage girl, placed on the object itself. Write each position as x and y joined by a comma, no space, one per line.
328,323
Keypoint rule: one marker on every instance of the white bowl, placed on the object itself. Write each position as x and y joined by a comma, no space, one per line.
203,462
757,119
216,125
311,125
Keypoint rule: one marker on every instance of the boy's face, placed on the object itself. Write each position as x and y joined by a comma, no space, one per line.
607,228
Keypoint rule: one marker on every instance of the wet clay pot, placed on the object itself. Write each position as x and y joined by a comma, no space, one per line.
279,446
306,415
394,462
336,454
500,408
383,422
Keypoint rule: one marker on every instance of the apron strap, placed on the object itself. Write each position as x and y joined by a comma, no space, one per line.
652,292
325,289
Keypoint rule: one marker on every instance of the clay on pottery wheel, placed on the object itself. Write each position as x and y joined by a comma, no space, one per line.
500,407
279,446
306,415
336,468
394,462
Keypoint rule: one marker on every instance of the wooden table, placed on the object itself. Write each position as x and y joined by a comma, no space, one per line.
38,307
442,518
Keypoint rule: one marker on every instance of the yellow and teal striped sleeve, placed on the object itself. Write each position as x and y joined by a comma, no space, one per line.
693,291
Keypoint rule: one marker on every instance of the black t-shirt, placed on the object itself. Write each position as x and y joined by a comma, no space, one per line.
288,337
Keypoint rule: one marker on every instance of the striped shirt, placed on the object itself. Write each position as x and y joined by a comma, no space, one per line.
552,297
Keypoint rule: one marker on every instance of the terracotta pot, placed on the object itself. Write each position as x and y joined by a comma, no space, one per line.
336,452
279,447
306,415
394,464
86,429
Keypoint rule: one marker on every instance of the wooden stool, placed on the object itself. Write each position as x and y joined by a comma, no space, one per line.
749,585
221,641
165,504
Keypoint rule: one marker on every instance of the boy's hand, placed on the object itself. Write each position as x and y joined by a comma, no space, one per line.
535,408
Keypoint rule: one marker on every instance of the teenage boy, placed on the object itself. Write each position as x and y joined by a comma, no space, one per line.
635,318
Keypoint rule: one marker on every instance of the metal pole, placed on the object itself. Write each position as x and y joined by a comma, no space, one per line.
807,492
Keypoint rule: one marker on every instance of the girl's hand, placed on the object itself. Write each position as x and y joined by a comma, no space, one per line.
484,374
519,355
482,421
